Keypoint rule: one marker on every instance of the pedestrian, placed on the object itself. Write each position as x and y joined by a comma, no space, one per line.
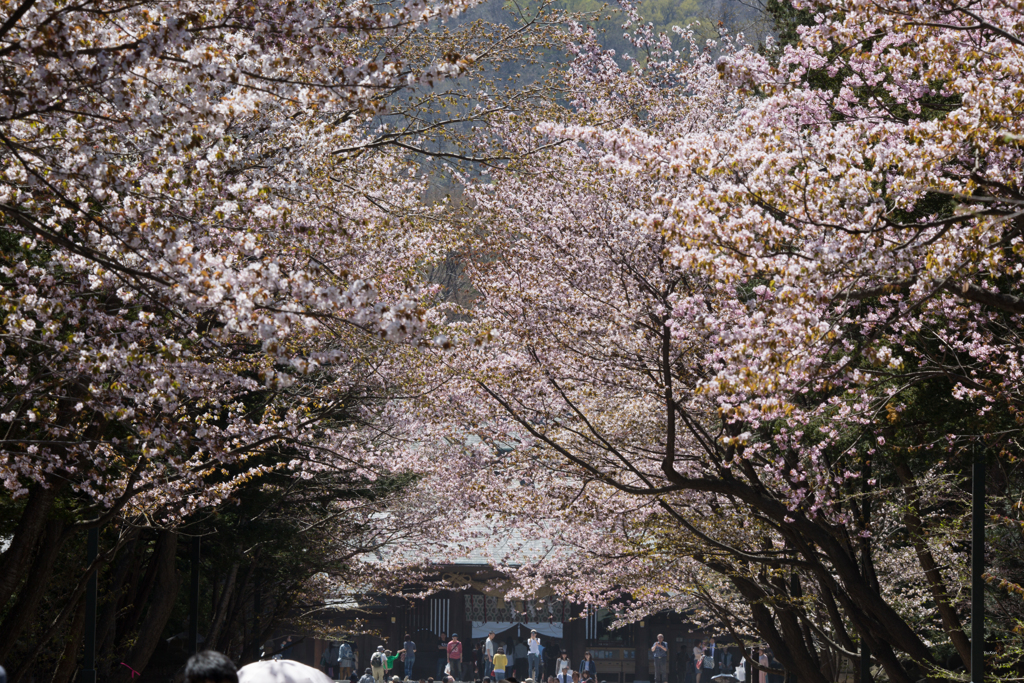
563,665
707,666
660,650
500,663
523,654
533,655
698,654
454,650
474,664
762,675
391,659
410,656
489,650
510,652
442,655
329,659
564,675
588,667
378,662
345,661
208,667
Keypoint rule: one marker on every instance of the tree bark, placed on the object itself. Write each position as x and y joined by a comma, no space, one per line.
27,604
140,598
68,663
222,606
15,560
164,594
787,646
936,584
116,590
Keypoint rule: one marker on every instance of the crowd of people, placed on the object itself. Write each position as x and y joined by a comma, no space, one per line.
489,662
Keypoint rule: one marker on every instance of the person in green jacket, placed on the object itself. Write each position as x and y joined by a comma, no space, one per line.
391,659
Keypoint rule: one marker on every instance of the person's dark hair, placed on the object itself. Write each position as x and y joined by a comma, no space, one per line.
210,667
408,637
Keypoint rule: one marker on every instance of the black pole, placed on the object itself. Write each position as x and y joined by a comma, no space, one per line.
865,560
977,569
193,602
92,551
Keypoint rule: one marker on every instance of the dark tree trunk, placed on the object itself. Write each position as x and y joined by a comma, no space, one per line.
164,594
140,597
112,601
936,584
15,561
27,604
222,607
68,663
788,646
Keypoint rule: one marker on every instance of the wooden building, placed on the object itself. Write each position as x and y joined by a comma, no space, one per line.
621,655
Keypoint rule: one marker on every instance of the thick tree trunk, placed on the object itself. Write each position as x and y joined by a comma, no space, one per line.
222,606
15,561
113,598
140,597
27,604
164,594
787,646
68,662
936,584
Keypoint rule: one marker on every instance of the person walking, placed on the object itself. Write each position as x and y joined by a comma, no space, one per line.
378,662
715,656
762,676
410,656
454,651
368,676
346,660
442,656
489,649
510,652
500,664
533,656
660,650
563,665
698,654
549,658
588,667
329,659
391,659
707,666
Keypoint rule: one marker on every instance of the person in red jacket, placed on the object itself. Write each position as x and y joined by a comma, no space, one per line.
455,657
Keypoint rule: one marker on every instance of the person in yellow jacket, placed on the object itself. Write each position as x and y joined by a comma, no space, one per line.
500,662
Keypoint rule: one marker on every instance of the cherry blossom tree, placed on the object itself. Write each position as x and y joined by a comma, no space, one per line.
211,226
754,315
